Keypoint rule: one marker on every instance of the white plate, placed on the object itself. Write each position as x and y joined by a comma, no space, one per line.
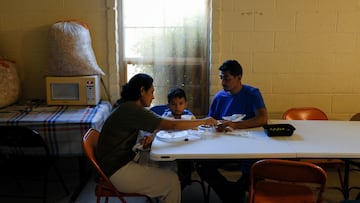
234,117
172,136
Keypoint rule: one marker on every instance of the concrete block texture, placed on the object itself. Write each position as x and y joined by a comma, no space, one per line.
296,52
300,53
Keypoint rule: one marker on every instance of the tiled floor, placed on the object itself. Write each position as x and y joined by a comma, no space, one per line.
191,194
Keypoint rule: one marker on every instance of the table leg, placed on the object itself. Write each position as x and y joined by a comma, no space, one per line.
346,180
84,175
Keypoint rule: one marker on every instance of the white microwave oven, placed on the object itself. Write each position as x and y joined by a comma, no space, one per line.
73,90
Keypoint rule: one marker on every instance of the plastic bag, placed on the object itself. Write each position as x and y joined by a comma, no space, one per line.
70,50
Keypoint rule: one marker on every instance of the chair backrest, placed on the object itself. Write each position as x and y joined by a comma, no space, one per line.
89,143
355,117
304,113
159,109
287,171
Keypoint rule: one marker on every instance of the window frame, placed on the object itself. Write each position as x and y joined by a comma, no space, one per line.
203,62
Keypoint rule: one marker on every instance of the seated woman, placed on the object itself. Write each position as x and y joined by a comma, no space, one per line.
120,132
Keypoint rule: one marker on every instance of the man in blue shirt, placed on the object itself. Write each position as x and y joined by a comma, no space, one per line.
235,98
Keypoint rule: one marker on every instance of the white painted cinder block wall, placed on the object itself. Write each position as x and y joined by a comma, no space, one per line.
299,53
24,27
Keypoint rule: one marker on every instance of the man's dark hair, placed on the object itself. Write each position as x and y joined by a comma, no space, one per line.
233,67
176,93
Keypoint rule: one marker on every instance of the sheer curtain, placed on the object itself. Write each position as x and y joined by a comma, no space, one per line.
169,40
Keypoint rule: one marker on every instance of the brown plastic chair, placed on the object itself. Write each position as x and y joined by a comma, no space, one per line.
275,180
355,117
312,113
104,187
304,113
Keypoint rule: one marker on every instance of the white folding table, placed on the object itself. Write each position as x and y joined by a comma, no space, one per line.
311,139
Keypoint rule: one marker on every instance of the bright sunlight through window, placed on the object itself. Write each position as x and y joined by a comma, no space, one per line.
168,39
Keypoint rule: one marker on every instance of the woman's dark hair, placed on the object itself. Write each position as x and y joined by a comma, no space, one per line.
232,66
131,91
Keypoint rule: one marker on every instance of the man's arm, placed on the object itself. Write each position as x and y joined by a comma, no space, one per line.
260,119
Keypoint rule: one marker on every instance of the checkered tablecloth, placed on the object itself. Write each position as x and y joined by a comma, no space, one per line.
62,127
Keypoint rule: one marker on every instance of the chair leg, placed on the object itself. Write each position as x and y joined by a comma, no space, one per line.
358,196
205,193
340,178
346,180
341,181
208,194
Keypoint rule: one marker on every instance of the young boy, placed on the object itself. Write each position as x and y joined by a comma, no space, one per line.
178,110
177,105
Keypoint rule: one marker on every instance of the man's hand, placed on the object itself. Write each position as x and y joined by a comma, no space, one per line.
224,126
210,121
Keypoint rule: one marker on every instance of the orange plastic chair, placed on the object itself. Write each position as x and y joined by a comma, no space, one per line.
104,187
355,117
312,113
304,113
275,180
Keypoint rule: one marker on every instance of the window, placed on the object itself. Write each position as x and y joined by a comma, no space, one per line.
169,39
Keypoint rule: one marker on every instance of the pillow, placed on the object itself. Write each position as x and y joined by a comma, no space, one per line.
9,83
70,50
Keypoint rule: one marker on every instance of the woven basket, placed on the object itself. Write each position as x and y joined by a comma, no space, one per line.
9,83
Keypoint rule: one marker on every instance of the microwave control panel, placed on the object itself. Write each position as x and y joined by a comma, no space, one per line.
90,91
